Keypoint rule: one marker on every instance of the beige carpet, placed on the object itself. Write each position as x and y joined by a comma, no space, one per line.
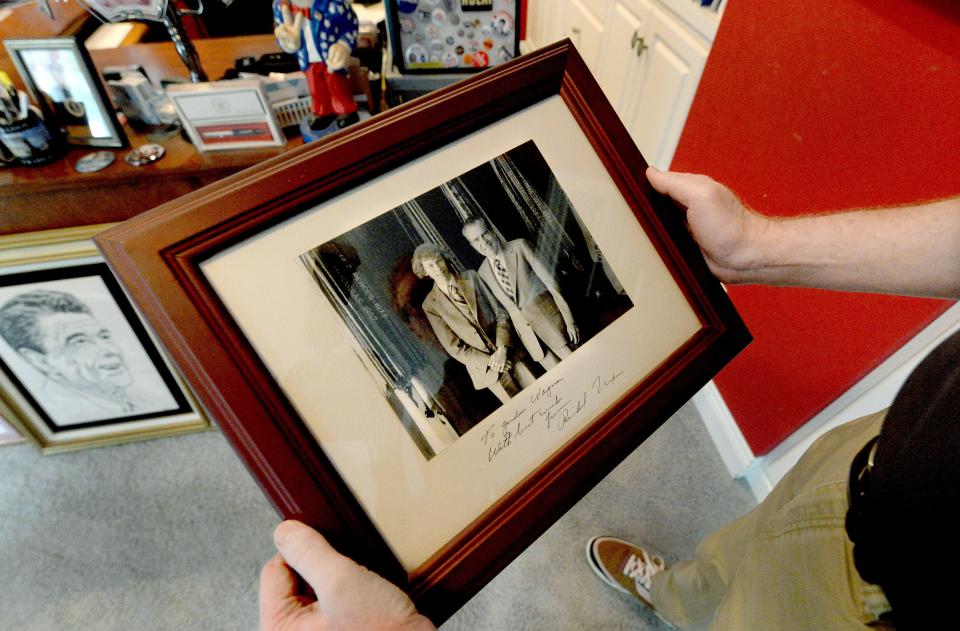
171,533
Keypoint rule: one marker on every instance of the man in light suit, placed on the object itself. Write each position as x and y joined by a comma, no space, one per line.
526,288
470,325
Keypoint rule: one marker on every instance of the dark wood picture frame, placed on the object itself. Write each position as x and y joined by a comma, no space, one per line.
158,257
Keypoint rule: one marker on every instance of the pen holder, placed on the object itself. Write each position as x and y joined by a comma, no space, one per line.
27,142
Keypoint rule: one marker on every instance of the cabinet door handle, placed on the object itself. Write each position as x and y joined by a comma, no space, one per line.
636,42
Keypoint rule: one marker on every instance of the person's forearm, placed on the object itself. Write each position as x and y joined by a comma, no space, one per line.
911,250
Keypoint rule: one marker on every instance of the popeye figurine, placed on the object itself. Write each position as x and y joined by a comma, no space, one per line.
322,33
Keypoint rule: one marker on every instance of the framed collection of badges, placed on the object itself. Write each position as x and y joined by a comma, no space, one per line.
444,36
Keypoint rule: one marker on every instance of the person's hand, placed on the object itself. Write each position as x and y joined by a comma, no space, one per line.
498,360
289,30
573,333
728,232
348,596
337,56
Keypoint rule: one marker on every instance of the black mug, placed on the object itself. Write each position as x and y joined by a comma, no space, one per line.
27,141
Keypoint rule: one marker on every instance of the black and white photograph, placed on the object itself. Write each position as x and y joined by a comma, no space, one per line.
75,351
462,297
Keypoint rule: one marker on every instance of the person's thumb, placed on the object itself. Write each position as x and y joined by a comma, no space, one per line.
309,554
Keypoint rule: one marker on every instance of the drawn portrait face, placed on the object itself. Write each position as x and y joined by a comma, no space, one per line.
482,238
81,353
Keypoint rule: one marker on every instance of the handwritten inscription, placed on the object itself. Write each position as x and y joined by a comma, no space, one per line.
550,408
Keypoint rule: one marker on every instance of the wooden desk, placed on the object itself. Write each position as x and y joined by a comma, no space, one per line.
56,196
29,21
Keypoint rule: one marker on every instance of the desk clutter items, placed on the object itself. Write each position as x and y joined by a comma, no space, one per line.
93,162
24,138
62,80
144,154
141,102
222,115
442,36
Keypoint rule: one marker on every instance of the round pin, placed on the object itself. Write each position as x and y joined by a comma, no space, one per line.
95,161
480,59
416,54
459,50
454,19
450,40
420,38
468,59
487,30
145,154
439,17
407,25
502,23
407,6
433,32
488,43
436,48
450,59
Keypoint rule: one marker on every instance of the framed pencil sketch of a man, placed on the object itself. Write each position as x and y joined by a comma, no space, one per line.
464,296
75,359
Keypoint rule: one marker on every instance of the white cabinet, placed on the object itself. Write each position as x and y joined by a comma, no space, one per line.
585,30
666,73
647,55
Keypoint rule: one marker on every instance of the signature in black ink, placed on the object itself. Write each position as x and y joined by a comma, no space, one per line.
600,383
516,416
494,451
544,392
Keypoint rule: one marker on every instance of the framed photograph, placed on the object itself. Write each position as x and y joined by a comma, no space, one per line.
62,79
121,10
220,115
430,334
449,36
77,366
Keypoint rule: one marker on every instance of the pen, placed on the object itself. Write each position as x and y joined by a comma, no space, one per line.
24,104
232,133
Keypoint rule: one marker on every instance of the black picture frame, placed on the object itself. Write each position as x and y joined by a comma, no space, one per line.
400,41
81,107
53,412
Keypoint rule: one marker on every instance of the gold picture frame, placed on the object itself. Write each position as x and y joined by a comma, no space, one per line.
86,371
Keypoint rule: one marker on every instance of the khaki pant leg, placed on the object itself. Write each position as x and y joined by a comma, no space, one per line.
689,593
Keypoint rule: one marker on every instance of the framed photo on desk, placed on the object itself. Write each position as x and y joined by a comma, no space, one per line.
341,313
62,79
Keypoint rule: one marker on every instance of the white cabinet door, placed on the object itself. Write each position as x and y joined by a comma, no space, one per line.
546,21
657,104
620,66
585,31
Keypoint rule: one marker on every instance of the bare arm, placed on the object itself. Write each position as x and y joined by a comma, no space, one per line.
909,250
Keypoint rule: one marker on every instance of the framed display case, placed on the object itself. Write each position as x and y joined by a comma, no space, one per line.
444,36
